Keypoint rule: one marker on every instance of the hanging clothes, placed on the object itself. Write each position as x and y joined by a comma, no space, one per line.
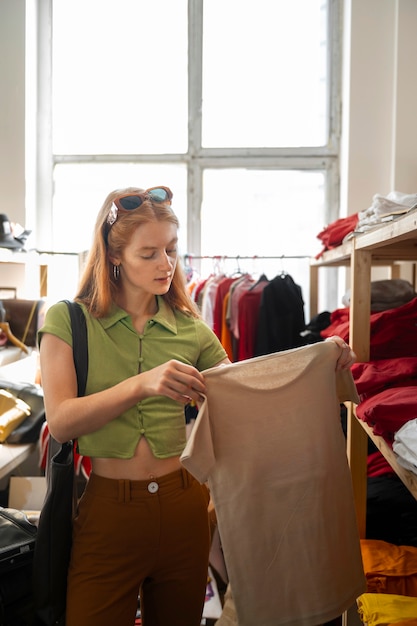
237,289
281,316
268,440
221,291
226,338
251,323
208,298
248,319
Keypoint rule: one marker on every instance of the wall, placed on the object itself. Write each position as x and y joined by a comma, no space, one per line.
12,108
379,133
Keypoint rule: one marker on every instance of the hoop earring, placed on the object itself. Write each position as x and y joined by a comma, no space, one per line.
116,272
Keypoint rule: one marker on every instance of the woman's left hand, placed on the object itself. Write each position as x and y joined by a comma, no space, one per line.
347,357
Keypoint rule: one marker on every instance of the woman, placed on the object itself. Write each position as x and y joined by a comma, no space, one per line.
142,523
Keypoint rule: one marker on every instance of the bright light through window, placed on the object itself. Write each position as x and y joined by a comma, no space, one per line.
119,76
264,73
261,212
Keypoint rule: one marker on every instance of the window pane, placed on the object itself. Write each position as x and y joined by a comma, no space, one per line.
264,74
259,213
119,76
80,191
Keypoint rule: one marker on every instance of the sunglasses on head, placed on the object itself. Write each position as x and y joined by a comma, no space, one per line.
132,201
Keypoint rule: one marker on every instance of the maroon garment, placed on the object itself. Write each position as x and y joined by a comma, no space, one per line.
377,465
387,411
248,316
393,332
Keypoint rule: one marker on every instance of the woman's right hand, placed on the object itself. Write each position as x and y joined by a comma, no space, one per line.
175,380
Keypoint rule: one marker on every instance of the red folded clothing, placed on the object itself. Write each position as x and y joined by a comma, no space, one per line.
332,235
374,376
387,411
393,332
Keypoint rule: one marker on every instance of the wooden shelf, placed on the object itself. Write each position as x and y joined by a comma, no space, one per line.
389,243
336,257
393,240
409,478
28,271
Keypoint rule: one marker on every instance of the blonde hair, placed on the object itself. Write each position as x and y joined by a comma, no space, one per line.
98,287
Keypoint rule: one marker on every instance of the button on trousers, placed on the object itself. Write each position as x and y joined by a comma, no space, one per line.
148,537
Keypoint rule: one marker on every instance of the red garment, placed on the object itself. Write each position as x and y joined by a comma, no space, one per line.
374,376
388,410
199,288
393,332
333,234
377,465
82,464
222,289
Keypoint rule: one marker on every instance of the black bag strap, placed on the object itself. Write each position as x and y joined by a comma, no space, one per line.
79,343
80,353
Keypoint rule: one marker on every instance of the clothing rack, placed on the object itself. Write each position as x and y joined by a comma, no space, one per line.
254,257
193,261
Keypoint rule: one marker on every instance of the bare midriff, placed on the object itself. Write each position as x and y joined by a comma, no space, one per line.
141,466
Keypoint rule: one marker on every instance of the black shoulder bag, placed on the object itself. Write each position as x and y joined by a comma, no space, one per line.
54,536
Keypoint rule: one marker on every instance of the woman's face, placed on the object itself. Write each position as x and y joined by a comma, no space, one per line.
148,261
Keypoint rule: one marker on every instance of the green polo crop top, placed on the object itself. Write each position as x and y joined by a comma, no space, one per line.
116,352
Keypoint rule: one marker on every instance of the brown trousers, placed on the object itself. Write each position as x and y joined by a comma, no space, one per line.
139,536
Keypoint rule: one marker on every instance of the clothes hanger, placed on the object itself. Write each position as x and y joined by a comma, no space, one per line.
238,270
218,263
263,278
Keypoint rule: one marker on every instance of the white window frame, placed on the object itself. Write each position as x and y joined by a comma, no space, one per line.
197,158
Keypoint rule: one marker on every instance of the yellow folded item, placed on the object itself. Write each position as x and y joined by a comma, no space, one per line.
13,411
378,609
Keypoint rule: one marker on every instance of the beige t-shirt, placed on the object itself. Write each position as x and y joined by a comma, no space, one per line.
268,439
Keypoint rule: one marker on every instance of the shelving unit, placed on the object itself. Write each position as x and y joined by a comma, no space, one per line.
386,245
26,272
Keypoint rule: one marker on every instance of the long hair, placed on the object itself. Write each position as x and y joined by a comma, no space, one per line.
98,287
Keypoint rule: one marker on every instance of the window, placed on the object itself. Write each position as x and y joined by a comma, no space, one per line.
264,73
232,103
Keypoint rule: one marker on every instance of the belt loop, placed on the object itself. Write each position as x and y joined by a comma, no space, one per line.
127,490
185,478
124,491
